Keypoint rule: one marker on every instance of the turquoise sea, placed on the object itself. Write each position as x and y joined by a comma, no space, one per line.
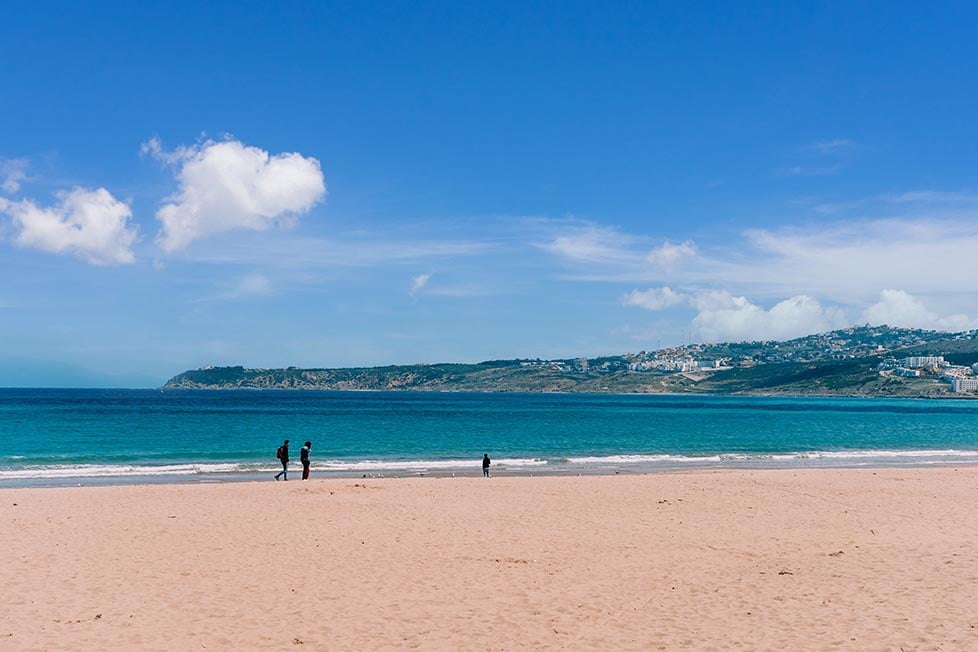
51,436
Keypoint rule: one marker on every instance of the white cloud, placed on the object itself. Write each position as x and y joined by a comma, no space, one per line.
154,147
811,170
822,158
90,224
853,261
668,255
253,285
899,308
930,253
364,249
243,287
724,317
12,172
227,185
834,146
418,282
592,243
931,197
931,201
654,298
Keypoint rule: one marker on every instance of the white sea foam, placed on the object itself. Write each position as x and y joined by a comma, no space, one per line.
422,465
807,458
57,471
882,456
117,470
891,453
641,459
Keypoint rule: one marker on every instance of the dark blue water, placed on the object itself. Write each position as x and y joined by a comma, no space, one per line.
137,433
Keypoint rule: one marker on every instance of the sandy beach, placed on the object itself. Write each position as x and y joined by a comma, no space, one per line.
750,560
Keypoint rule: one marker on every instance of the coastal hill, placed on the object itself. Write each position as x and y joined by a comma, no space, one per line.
858,361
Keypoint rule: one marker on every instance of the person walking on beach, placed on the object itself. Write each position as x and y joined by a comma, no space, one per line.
283,456
485,464
304,458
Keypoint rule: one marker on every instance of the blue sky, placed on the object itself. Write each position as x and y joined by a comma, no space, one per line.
318,184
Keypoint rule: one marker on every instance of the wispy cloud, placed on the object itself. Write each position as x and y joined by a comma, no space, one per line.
822,158
13,171
288,251
931,197
811,170
850,260
241,288
834,146
817,273
589,242
931,201
668,255
847,261
418,282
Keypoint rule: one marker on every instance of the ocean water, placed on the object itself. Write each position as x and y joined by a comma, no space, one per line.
50,436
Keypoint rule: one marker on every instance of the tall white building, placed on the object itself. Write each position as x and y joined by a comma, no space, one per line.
919,361
967,384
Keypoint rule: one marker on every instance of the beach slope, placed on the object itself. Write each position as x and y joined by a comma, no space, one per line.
753,560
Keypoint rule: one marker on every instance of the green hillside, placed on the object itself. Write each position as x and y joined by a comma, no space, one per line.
840,363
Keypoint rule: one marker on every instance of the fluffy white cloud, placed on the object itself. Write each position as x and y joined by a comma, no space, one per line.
899,308
90,224
228,185
654,298
418,282
724,317
12,172
668,255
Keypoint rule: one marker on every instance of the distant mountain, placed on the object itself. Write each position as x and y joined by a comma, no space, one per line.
839,363
24,372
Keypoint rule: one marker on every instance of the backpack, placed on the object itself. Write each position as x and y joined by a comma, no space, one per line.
280,452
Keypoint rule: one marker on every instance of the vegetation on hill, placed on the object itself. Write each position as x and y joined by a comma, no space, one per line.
842,363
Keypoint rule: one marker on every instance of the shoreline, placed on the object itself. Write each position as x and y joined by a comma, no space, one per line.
422,390
700,560
689,465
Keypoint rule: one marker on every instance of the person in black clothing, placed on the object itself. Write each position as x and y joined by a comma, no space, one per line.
283,456
304,458
485,464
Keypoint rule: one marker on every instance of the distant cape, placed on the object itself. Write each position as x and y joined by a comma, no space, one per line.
839,363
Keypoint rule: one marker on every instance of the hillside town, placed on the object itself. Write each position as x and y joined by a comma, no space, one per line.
962,378
858,361
846,344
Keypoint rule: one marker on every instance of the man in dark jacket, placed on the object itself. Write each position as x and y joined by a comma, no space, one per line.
485,464
283,456
304,458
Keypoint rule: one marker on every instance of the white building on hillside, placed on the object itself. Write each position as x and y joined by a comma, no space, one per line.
919,361
966,384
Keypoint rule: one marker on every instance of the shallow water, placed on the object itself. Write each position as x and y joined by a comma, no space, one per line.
52,436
